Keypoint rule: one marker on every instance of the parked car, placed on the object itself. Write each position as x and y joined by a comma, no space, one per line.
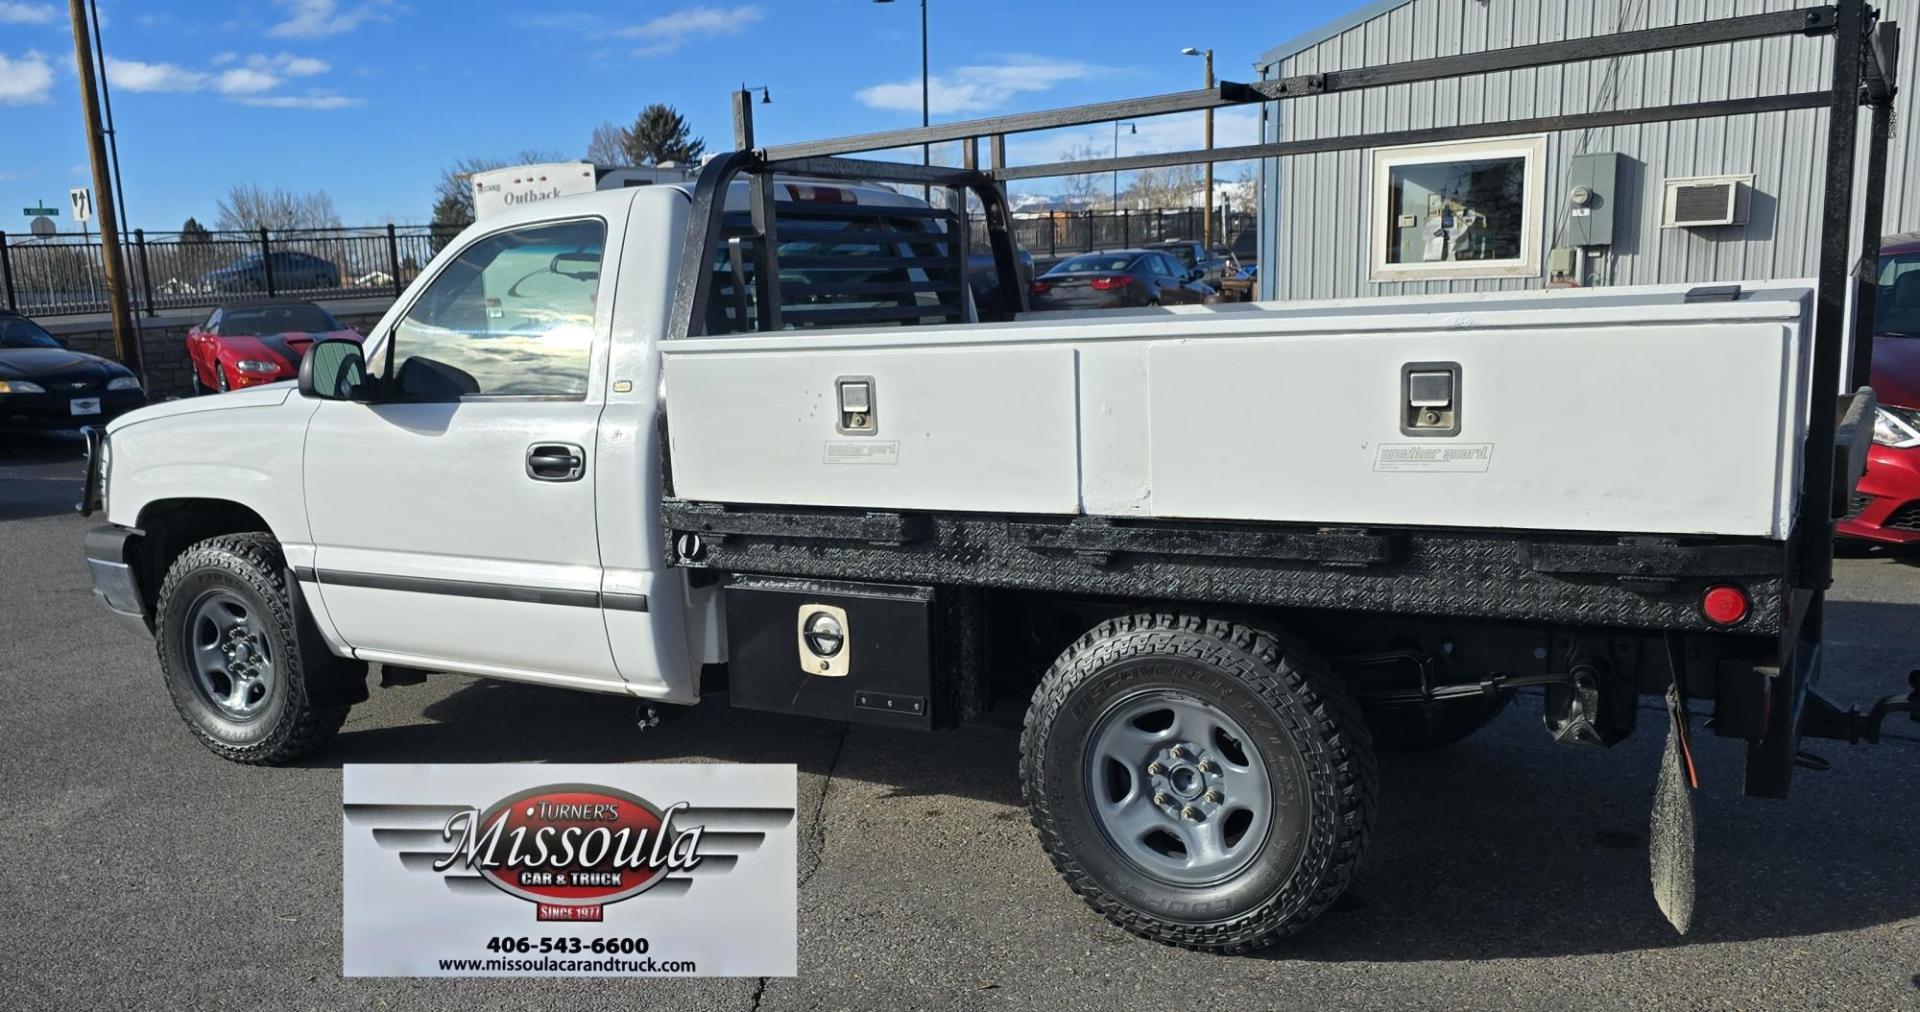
292,271
250,343
1212,268
45,385
1111,280
984,278
1885,506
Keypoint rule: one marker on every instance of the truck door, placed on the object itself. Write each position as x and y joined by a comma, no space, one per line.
454,519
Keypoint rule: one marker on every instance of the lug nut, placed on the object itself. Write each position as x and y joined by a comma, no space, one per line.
1155,769
1177,752
1159,799
1207,766
1215,797
1190,813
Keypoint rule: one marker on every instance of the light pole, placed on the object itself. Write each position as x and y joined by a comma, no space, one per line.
1132,128
926,107
1206,227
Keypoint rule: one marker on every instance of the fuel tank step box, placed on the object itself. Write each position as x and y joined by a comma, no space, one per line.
867,653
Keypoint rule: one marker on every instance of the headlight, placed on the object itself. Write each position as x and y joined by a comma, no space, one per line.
20,387
124,383
254,365
1896,427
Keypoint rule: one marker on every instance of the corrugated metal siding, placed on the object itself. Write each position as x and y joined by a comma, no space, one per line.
1321,205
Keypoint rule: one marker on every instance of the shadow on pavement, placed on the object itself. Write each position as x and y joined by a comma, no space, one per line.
39,473
1505,846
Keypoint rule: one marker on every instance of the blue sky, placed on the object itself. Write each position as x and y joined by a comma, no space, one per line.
371,99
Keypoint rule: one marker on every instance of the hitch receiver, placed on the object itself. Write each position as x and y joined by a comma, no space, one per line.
1823,718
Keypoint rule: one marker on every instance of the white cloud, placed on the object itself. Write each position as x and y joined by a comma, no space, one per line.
319,19
134,75
25,79
314,101
669,32
25,14
255,76
980,87
244,81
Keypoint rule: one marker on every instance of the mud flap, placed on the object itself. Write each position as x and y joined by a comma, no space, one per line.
1671,836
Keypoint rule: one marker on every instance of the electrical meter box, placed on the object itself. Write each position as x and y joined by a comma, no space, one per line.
1592,181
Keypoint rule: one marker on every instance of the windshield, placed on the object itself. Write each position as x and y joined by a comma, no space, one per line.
1896,304
277,320
19,332
1093,262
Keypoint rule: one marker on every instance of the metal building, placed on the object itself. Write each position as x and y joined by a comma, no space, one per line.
1726,199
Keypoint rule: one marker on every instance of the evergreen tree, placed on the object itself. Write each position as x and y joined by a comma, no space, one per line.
193,231
661,134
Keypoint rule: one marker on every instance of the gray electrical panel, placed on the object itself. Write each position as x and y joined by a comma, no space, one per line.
1592,181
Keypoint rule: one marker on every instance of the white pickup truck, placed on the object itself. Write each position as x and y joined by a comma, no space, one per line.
614,441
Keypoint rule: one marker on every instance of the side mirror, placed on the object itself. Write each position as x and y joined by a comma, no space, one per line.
333,371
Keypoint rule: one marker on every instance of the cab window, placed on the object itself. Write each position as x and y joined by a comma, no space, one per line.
511,316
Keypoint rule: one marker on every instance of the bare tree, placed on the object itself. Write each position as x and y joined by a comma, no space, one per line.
249,207
1165,187
1084,189
608,146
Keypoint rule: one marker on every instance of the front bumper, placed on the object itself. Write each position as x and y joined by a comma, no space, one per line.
54,411
1885,505
110,555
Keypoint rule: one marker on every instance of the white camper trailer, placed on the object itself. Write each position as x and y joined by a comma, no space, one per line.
497,190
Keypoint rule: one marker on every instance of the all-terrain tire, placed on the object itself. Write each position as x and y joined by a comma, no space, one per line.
250,567
1304,725
1419,727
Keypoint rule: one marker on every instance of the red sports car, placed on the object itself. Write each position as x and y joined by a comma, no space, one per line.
247,344
1886,506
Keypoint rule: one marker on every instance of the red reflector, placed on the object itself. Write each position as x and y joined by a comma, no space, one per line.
1042,287
820,194
1724,605
1108,284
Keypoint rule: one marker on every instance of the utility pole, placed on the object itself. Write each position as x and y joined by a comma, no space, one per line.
1206,225
125,338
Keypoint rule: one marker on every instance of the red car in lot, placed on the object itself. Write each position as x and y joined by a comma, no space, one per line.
1886,506
249,343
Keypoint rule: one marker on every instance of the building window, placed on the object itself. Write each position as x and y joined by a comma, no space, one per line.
1464,210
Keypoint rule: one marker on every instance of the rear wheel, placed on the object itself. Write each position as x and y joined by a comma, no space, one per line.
1199,782
226,635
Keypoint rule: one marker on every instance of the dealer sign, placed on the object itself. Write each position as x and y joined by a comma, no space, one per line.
532,870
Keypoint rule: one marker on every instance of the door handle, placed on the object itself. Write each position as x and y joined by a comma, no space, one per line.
556,462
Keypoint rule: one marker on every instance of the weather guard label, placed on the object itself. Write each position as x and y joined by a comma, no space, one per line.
850,451
1433,457
524,870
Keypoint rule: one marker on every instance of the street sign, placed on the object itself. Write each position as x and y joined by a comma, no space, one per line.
82,203
41,212
43,226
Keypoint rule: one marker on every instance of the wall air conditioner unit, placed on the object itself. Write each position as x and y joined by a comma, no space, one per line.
1705,201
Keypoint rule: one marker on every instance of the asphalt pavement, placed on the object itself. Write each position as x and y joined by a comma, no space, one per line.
138,871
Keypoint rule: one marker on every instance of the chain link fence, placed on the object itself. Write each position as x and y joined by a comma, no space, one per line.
63,275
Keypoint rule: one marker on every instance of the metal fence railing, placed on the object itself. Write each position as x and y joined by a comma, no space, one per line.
1052,234
62,274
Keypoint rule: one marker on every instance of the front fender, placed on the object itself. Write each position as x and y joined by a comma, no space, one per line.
243,448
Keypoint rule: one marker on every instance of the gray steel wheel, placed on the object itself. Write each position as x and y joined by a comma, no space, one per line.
1178,788
230,656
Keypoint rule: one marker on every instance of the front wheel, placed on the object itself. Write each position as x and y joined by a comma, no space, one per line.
229,651
1199,782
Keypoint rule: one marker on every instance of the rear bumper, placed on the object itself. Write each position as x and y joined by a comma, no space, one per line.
1886,504
109,563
